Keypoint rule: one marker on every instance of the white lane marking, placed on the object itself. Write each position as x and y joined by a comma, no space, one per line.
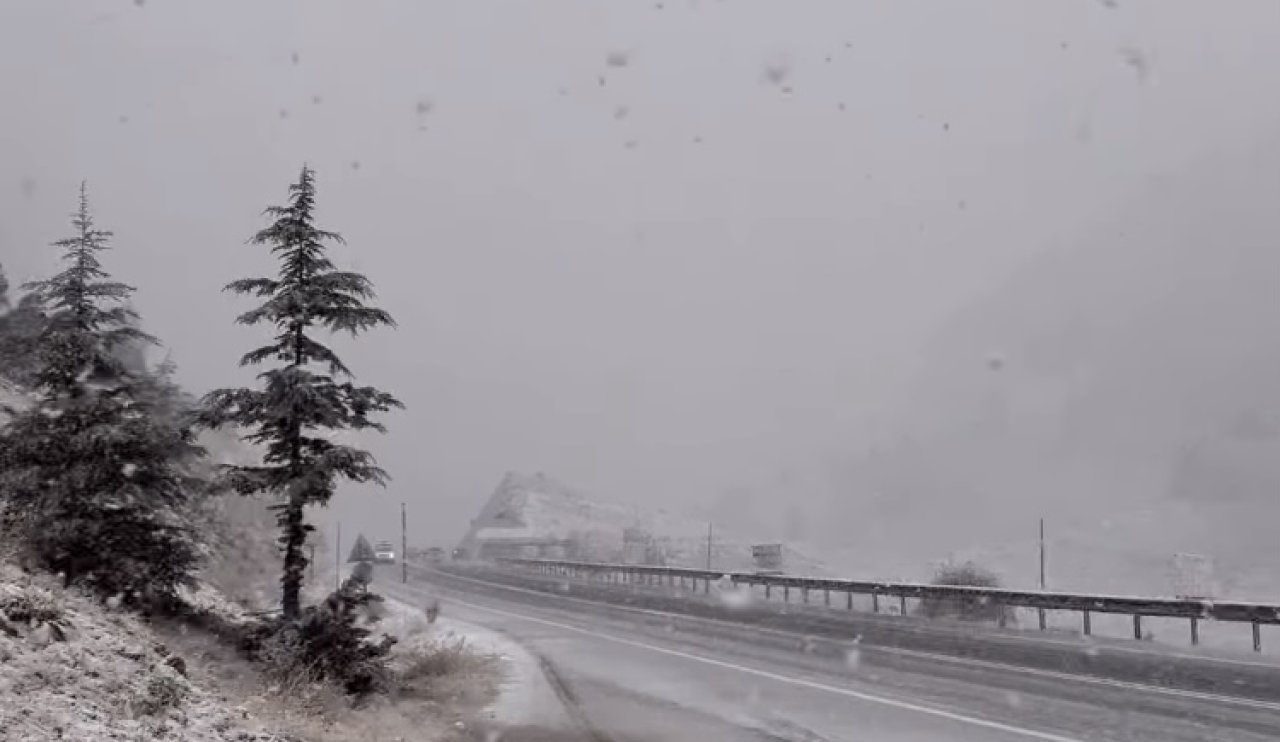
1031,671
801,682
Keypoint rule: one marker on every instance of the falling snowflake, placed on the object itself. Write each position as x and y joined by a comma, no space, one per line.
424,106
1137,60
776,73
617,59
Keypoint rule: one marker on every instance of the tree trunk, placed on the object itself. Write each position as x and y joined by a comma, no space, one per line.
295,563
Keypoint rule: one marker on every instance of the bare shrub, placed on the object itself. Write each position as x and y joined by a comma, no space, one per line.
30,606
428,665
163,691
966,607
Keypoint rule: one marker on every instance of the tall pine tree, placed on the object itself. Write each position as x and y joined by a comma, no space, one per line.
4,291
89,481
301,397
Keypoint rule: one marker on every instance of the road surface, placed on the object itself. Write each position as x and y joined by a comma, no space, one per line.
639,677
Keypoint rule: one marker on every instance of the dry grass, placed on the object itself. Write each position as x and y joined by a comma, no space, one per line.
446,670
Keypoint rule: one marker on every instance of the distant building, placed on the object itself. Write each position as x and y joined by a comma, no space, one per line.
536,517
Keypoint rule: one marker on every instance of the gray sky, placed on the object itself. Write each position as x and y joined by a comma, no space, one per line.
654,249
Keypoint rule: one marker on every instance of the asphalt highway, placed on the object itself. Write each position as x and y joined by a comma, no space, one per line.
646,671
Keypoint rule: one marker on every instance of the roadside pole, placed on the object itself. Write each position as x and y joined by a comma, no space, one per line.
404,546
708,547
337,560
1040,611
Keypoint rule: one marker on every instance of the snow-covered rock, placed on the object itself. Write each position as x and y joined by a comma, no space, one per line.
551,519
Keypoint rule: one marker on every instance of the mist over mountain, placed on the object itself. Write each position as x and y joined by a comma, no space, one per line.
1131,371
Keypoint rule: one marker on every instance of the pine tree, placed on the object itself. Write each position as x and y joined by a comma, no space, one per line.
361,551
19,331
301,396
88,481
4,291
88,320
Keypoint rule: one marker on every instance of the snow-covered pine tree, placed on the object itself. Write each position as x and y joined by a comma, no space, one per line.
361,551
19,330
4,291
301,396
89,482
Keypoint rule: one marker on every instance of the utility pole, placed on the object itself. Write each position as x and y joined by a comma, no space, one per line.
1040,612
1042,582
337,559
404,546
708,547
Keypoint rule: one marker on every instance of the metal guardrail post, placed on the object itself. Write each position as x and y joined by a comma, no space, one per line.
849,599
903,598
1257,637
1195,631
1088,624
875,602
1040,611
1137,626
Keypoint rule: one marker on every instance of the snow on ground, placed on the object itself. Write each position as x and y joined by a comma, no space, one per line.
111,679
524,696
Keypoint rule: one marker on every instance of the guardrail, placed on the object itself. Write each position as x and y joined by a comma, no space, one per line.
1194,610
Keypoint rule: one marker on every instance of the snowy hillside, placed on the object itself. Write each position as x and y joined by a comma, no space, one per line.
72,669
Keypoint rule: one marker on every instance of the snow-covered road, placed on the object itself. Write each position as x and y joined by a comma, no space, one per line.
635,681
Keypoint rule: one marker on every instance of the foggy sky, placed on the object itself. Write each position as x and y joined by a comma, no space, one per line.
702,268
